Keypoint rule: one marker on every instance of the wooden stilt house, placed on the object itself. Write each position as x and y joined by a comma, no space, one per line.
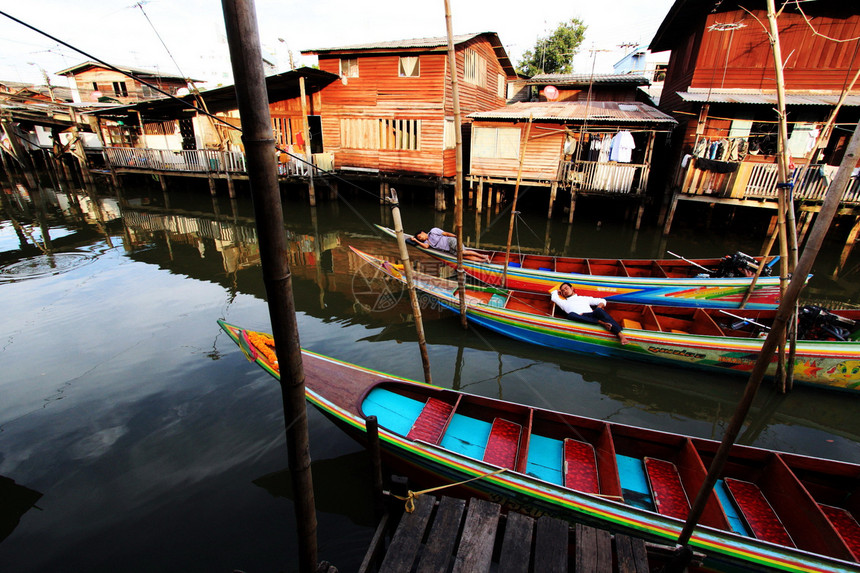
721,87
391,113
579,147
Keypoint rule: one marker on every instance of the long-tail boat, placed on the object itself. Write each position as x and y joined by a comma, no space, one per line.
669,282
710,339
769,510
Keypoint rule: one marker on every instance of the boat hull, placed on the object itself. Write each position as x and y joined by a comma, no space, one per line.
339,391
834,365
690,292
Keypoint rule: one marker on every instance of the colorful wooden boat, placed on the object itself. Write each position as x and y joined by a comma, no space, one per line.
710,339
669,282
769,511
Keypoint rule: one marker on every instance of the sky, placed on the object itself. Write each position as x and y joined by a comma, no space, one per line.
186,37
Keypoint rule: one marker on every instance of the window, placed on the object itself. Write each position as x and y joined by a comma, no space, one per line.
397,134
496,142
349,67
500,86
476,68
660,72
119,89
450,135
408,67
95,86
282,130
160,128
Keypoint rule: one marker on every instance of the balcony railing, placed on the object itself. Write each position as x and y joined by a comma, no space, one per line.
610,177
204,161
758,181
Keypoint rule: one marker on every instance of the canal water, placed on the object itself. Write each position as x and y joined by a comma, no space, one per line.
134,436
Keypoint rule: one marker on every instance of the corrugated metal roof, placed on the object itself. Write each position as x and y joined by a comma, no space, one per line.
585,79
598,112
436,42
768,99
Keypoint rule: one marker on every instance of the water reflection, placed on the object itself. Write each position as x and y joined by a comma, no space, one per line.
125,404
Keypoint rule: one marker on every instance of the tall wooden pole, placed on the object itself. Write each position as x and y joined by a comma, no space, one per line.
458,153
246,57
514,206
312,194
410,286
783,313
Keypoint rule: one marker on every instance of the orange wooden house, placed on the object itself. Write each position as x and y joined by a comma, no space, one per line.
95,82
392,111
721,87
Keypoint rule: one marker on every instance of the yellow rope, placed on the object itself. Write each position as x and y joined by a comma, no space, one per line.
411,495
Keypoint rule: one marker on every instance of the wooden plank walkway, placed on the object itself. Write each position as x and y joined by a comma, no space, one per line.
465,539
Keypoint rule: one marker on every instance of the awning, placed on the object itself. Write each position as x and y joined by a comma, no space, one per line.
596,112
768,99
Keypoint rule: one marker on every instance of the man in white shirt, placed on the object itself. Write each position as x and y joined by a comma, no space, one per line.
585,309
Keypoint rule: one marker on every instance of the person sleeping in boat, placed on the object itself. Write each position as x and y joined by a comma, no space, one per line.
445,241
585,309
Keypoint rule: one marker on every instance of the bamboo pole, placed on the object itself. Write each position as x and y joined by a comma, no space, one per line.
458,153
514,206
407,270
245,55
783,314
787,225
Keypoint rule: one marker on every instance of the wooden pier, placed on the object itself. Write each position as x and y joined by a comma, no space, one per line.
451,535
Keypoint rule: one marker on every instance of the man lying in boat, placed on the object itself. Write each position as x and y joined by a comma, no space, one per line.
445,241
585,309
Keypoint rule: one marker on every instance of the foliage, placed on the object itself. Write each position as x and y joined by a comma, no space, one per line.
554,54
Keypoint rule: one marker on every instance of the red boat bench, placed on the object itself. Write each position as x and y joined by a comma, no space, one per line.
580,466
503,444
756,510
432,421
846,525
670,498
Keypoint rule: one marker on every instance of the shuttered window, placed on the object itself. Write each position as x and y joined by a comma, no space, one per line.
396,134
476,68
496,142
500,86
409,67
450,136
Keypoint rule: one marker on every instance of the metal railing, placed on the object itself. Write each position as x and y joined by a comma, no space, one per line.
607,176
205,161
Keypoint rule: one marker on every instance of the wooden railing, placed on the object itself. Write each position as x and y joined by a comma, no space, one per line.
607,176
205,161
758,181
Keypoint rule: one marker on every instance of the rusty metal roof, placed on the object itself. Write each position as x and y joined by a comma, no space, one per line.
585,79
768,98
432,44
622,112
437,42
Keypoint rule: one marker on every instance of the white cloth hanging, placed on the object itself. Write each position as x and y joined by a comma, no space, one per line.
622,147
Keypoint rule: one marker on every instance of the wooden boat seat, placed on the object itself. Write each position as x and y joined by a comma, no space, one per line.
431,422
503,443
757,512
580,466
629,323
844,523
670,498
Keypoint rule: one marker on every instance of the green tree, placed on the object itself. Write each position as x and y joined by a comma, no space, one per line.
554,54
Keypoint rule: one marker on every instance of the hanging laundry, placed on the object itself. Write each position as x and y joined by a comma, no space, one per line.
622,147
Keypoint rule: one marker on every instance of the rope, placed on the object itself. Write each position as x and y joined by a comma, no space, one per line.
411,495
